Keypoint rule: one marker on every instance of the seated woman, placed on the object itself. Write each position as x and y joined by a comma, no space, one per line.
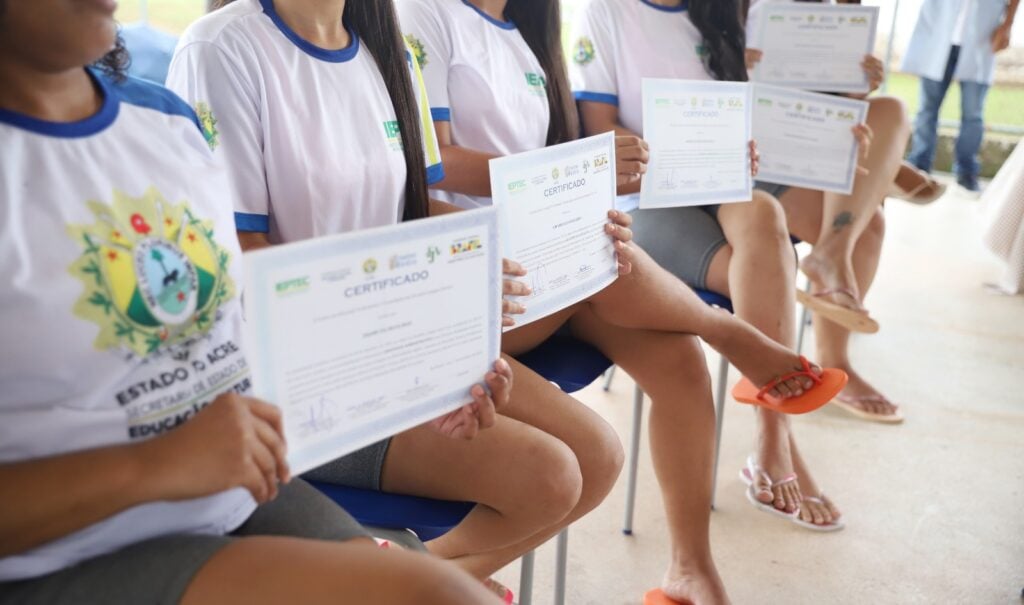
846,232
496,78
740,250
126,476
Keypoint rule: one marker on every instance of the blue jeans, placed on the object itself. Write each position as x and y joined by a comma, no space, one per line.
972,125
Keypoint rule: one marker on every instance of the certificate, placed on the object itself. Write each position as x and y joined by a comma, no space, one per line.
805,138
816,46
553,204
699,134
362,335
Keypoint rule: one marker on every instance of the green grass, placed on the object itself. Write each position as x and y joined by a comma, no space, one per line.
172,16
1004,105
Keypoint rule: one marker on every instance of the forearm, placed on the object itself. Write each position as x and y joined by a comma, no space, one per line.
48,498
466,171
1011,13
437,208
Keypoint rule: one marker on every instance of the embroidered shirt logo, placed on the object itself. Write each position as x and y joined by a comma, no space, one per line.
536,83
154,276
417,49
393,132
584,53
208,124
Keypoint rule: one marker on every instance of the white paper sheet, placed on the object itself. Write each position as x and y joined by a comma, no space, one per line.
553,205
805,139
815,46
699,134
363,335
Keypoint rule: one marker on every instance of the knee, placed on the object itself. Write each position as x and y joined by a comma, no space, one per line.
557,481
889,113
766,220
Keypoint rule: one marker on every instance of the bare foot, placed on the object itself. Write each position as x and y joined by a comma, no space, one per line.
694,587
860,394
826,274
762,360
812,511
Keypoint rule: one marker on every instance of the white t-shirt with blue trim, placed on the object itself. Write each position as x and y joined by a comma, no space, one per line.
481,76
119,306
617,43
309,135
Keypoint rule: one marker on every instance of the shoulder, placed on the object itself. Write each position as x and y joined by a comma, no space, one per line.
147,95
218,26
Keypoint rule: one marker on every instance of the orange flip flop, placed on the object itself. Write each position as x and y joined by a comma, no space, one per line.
656,597
826,386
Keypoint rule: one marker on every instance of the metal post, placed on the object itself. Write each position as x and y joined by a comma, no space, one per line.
526,579
609,374
805,320
888,50
723,377
634,460
561,565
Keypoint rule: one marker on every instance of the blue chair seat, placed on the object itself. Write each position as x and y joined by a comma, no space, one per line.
714,299
566,361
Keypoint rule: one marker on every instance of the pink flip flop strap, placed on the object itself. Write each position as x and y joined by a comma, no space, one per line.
844,291
804,372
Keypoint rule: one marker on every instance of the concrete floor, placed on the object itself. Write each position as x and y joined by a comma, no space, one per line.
934,508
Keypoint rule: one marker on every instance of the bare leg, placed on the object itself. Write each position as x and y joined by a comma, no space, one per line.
275,570
759,267
671,369
803,213
845,217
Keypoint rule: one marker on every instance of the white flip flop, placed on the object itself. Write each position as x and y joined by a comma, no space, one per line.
747,474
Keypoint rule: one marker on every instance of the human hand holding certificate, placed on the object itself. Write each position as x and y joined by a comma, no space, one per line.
554,204
699,134
806,139
363,335
816,46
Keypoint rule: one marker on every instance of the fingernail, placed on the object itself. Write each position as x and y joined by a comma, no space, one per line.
491,376
503,364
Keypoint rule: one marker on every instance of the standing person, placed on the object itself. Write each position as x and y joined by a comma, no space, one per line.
127,473
956,40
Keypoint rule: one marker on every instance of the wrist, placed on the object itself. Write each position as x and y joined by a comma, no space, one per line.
146,470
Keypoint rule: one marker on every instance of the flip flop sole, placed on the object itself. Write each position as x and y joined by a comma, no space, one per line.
656,597
848,318
835,526
832,382
853,410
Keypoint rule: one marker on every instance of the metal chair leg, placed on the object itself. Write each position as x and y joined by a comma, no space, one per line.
526,579
634,460
609,375
723,377
805,320
561,565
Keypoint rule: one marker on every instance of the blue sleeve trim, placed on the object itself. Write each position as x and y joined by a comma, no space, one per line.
441,114
598,97
142,93
435,174
259,223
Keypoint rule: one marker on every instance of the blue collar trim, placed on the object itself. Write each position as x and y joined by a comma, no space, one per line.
501,24
332,56
71,130
668,9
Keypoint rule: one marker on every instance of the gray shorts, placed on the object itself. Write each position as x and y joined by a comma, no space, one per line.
158,571
682,240
362,468
773,189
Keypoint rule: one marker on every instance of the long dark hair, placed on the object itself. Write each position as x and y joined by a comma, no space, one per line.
721,30
376,25
540,24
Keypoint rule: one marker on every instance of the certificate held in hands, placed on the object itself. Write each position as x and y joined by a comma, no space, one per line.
359,336
806,139
699,134
553,204
815,46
